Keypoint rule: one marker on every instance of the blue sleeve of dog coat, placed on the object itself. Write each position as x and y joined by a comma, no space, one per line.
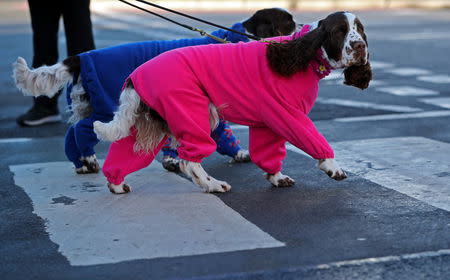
227,144
71,148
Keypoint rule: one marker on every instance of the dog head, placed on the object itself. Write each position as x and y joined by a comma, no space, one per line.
272,22
342,39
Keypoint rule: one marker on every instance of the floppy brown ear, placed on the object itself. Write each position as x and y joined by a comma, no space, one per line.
358,76
288,58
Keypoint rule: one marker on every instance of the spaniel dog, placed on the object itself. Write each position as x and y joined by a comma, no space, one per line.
98,77
269,86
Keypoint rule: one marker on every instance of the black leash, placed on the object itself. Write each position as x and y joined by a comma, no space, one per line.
188,16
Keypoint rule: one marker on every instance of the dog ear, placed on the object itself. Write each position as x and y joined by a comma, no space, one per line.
358,76
288,58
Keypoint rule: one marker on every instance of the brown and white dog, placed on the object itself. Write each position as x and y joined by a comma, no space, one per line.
340,37
47,80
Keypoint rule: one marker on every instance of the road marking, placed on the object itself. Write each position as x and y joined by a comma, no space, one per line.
408,91
408,71
380,65
367,105
386,259
164,216
14,140
443,102
437,79
421,36
415,166
428,114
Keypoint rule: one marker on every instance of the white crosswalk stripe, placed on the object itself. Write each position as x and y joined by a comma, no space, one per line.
443,102
407,91
407,71
164,216
437,79
402,163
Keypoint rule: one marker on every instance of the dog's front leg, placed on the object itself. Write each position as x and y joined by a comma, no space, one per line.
280,180
90,165
195,171
332,169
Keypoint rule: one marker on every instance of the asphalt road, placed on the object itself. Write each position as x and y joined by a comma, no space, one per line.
389,220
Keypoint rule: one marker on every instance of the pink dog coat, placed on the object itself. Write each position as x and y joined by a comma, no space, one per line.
237,79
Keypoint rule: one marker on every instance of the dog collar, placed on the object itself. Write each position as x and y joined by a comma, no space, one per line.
319,63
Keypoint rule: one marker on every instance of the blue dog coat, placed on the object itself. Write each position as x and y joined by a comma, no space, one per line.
103,73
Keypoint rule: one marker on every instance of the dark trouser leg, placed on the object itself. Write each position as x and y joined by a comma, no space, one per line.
78,26
45,17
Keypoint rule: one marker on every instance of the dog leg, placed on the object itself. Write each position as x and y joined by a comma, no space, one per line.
119,189
280,180
242,156
171,164
332,169
199,176
90,165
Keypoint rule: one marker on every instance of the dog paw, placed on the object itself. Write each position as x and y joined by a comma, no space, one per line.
119,189
171,164
195,171
217,186
331,168
91,163
242,156
280,180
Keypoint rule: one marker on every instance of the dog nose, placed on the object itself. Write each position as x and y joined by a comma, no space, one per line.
358,46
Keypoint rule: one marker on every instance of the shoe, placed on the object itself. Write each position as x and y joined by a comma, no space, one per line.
38,115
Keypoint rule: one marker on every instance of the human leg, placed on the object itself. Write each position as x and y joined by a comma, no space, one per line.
45,23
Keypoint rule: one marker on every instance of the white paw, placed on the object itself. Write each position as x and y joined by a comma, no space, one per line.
195,171
242,156
280,180
332,169
119,189
91,164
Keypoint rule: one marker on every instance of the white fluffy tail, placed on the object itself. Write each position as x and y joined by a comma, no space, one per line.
45,80
123,119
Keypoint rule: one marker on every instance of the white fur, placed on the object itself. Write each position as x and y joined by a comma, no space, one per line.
280,180
123,119
352,36
117,189
195,171
80,108
90,159
242,156
330,167
45,80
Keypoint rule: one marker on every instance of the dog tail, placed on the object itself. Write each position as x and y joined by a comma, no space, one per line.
123,119
45,80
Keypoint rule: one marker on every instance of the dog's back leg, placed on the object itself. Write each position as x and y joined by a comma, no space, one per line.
123,159
195,171
45,80
123,119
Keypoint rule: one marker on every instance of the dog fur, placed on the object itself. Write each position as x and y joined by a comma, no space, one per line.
47,80
343,42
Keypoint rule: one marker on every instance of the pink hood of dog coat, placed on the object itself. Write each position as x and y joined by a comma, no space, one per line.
237,79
